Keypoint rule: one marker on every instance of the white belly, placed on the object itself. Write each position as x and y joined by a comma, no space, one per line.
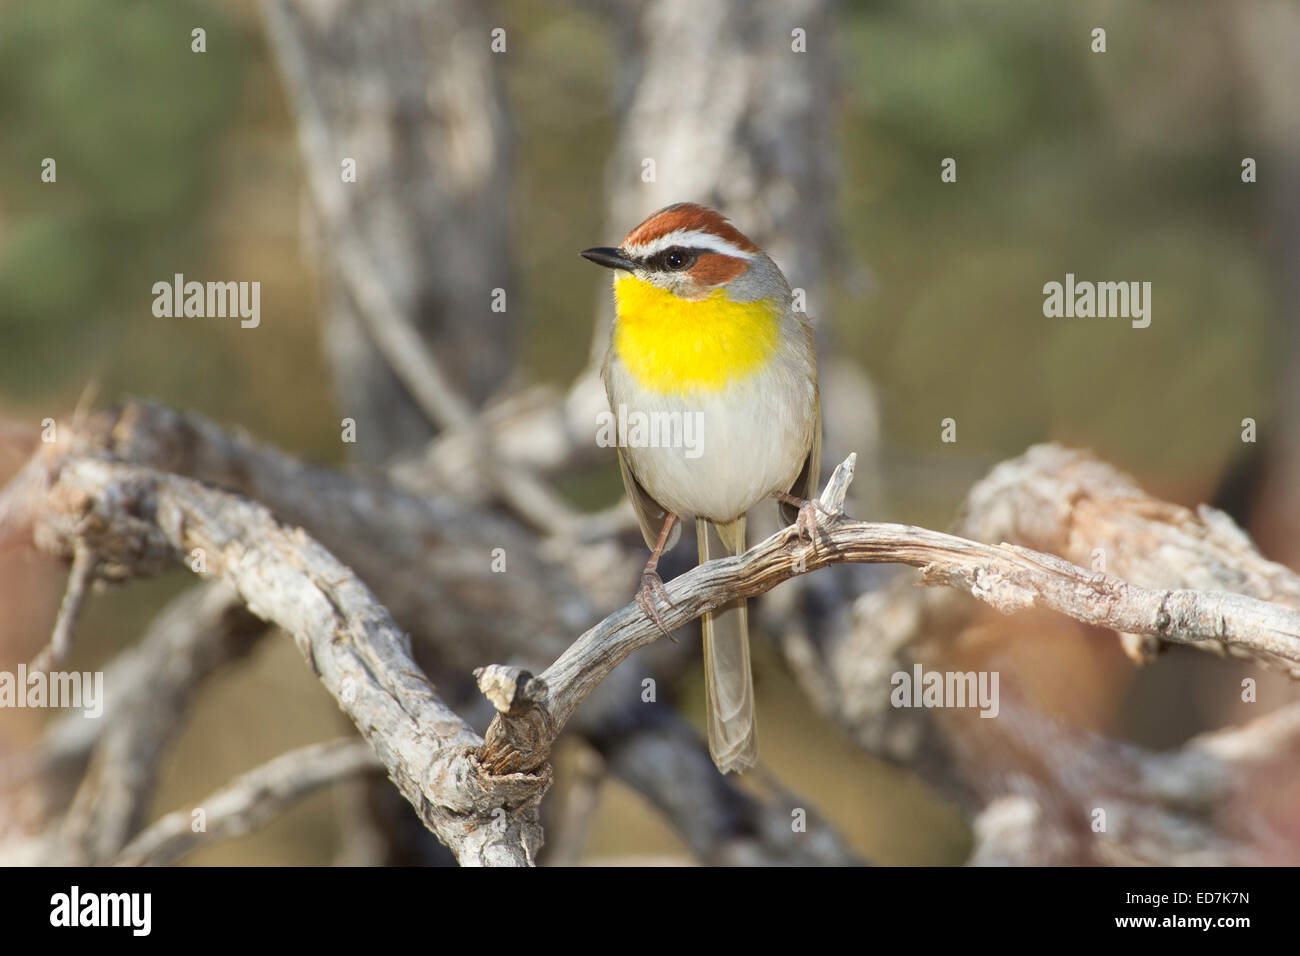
732,448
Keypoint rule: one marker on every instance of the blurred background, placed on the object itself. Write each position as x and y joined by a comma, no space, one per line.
1122,165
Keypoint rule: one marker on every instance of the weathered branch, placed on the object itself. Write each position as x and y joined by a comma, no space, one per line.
428,558
195,634
79,581
845,639
1213,801
146,691
251,800
140,521
1067,503
532,711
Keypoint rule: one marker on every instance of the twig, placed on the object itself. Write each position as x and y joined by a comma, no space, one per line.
79,580
532,711
251,800
180,647
196,633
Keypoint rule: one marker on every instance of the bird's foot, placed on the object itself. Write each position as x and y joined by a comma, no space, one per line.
805,524
652,587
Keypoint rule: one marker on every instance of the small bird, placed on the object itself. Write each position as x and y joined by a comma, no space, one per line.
705,326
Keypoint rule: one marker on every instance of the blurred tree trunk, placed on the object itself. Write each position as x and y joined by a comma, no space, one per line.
409,91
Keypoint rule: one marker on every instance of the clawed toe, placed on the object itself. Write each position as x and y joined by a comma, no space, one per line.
805,523
652,587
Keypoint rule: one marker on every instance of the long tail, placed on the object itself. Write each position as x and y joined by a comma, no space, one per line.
728,681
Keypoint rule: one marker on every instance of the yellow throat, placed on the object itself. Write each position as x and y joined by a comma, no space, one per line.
671,344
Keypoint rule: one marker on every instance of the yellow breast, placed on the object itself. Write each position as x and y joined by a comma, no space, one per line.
670,344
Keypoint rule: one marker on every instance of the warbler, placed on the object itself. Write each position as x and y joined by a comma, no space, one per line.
705,326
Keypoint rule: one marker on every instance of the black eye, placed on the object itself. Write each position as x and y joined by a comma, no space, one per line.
675,259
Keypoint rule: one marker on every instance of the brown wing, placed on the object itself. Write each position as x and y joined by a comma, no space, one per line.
807,485
650,514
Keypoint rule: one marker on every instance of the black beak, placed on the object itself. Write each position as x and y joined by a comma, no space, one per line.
609,258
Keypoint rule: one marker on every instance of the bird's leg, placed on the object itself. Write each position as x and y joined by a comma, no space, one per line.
652,585
805,525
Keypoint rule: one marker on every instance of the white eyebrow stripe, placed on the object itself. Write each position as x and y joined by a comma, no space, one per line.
691,239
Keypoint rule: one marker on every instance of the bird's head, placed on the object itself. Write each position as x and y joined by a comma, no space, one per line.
692,252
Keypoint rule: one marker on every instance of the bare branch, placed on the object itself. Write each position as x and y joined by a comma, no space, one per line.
1006,577
139,521
79,580
195,634
1068,503
847,640
1205,803
427,559
251,800
146,690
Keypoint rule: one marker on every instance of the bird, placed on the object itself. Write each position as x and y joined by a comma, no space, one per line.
705,328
